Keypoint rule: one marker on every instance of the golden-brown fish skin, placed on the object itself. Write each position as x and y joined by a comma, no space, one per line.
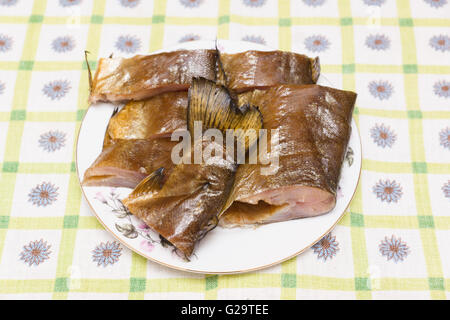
157,116
314,124
143,76
261,69
192,197
126,162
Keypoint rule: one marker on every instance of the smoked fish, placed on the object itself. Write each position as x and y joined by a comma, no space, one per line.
188,203
314,126
143,76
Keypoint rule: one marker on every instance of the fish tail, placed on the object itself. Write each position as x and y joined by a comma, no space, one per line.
107,139
213,105
151,184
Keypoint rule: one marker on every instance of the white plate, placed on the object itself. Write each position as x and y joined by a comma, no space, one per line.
222,250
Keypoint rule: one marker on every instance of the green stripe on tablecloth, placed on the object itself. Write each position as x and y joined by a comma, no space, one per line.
223,29
69,234
157,32
423,206
288,268
284,26
15,128
360,260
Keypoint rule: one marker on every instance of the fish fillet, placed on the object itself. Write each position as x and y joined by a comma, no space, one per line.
143,76
314,124
189,203
260,69
125,163
156,116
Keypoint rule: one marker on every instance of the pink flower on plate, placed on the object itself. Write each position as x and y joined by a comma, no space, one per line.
147,245
142,226
99,196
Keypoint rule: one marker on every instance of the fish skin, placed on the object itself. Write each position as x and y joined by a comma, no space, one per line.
314,125
157,116
253,69
144,76
193,197
126,162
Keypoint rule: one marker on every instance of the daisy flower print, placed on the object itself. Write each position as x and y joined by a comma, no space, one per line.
444,138
129,3
378,42
8,3
128,44
381,89
63,44
189,37
254,3
442,89
314,3
107,253
326,248
69,3
43,194
436,3
394,249
52,140
316,43
254,39
382,136
387,190
377,3
191,3
440,43
57,89
6,43
35,252
446,189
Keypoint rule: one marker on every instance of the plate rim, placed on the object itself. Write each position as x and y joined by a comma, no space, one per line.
200,271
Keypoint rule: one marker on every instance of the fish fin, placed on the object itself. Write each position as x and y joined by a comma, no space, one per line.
107,139
221,76
212,104
315,69
151,184
89,70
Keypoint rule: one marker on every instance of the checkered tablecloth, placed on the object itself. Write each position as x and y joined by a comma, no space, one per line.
394,241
